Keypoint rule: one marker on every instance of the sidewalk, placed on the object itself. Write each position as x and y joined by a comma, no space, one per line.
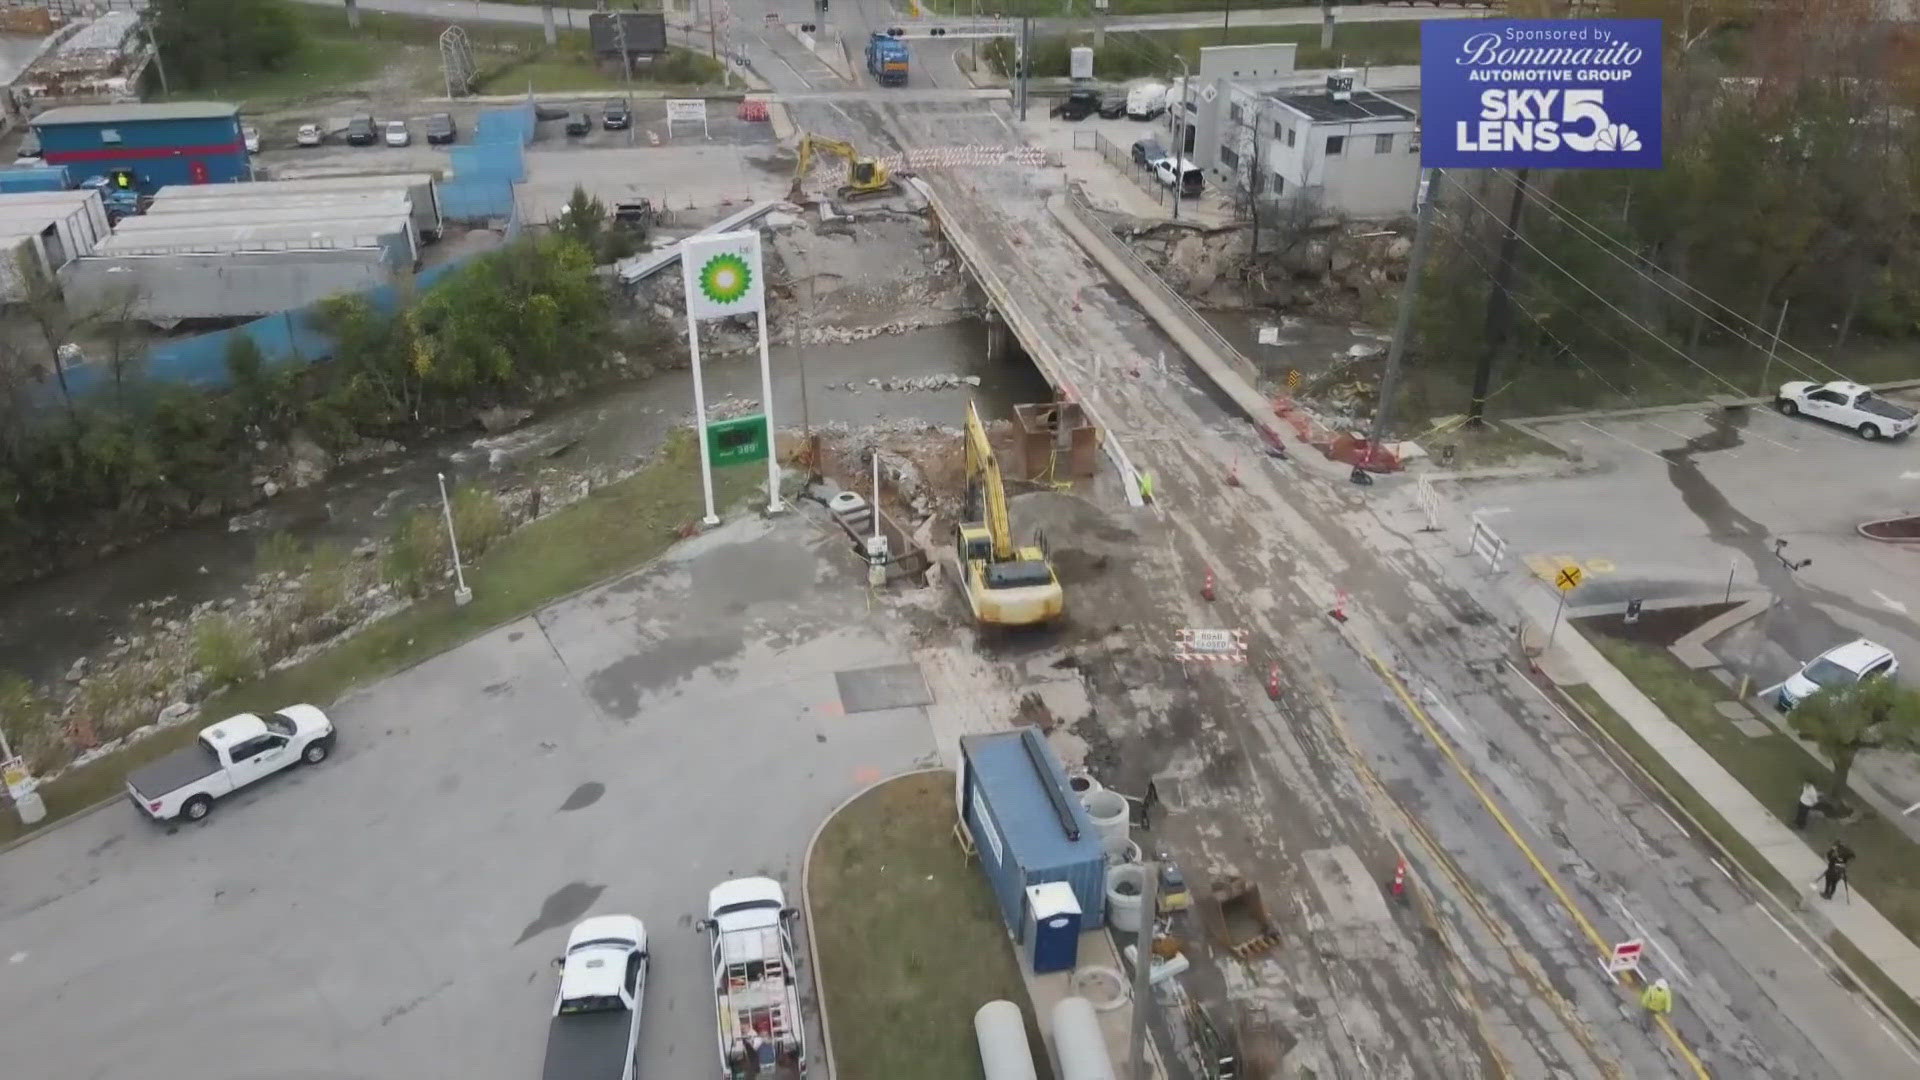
1574,660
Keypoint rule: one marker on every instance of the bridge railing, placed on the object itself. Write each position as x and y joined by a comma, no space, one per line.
1082,209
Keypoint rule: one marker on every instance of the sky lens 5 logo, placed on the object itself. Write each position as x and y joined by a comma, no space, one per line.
1562,93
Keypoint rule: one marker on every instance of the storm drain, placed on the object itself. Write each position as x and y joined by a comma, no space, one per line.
894,686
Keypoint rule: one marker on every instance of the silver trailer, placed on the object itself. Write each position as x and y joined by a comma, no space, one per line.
421,188
224,285
393,234
71,223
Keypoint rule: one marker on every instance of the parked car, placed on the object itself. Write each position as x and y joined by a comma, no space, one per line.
397,133
1183,173
615,115
1838,666
595,1031
440,128
1113,106
1849,405
1079,105
309,135
226,757
756,985
578,123
1147,151
360,131
250,136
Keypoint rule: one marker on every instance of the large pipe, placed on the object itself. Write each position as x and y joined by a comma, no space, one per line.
1002,1031
1078,1043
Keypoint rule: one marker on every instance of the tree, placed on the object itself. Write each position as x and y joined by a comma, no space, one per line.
1867,715
203,42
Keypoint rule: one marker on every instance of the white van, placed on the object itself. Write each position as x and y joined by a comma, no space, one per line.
1146,100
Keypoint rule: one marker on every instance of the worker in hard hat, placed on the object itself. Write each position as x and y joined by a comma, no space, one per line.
1657,1000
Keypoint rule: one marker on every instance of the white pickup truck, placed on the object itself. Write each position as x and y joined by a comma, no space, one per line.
1849,405
226,757
596,1016
755,986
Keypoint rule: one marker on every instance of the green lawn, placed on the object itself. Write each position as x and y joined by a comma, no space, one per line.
568,68
909,937
1129,56
614,530
1773,767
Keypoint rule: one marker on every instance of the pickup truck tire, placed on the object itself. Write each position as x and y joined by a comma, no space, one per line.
316,752
1786,407
1868,432
197,808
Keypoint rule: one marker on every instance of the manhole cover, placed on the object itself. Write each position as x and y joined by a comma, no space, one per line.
895,686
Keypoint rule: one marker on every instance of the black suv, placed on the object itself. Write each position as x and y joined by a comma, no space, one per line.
360,131
578,124
1079,105
615,115
440,128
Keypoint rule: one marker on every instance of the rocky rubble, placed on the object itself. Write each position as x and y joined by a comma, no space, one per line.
909,386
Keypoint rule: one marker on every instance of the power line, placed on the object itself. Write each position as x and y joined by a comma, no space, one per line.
1610,305
1588,231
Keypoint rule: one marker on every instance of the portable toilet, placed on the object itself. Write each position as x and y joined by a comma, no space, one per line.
1052,933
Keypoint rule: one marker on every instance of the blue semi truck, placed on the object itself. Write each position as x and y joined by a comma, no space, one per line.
887,60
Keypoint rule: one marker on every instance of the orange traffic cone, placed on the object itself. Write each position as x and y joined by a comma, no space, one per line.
1206,589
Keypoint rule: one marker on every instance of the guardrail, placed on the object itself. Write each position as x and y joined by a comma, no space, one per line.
1122,160
1082,209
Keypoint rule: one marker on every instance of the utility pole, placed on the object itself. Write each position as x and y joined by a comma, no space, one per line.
1180,133
973,41
1326,24
713,49
1143,969
160,69
1499,303
1403,324
626,58
1773,347
1226,21
1023,59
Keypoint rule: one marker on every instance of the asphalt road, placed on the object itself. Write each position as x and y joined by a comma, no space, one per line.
392,913
1401,729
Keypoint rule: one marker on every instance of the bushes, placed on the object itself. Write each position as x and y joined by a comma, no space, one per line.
225,650
419,558
32,730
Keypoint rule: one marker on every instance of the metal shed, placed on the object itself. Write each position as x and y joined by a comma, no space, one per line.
422,188
1027,825
175,142
393,235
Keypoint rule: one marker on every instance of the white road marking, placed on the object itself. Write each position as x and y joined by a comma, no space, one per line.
1890,602
1568,720
1783,929
1670,817
1492,510
16,958
1910,476
1440,707
1722,869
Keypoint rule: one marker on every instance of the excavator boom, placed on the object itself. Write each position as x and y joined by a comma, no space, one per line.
982,468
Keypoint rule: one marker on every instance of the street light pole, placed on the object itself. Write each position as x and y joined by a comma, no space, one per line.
461,594
1403,324
1180,133
1143,970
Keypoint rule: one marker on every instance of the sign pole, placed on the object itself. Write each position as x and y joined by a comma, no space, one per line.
1562,606
700,419
766,411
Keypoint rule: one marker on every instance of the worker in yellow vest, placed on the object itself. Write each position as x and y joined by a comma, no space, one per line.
1657,1000
1146,487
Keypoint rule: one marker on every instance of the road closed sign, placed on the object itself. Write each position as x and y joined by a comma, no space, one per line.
1540,93
1625,957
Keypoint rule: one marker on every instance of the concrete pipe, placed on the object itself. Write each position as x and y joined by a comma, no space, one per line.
1111,815
1078,1043
1002,1032
1126,888
1081,784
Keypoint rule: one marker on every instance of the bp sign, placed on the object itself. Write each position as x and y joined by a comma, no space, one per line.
1540,93
738,441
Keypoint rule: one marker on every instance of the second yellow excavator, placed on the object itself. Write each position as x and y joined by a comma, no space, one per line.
1006,585
866,177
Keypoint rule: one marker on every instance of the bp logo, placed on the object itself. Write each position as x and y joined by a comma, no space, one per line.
726,279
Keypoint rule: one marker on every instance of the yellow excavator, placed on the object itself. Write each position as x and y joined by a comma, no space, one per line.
1006,585
866,177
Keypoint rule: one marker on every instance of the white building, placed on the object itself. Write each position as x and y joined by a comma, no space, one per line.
1347,139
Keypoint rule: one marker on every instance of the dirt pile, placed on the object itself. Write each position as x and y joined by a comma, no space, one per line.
1326,268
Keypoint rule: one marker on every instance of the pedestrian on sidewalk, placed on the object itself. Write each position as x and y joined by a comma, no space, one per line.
1838,856
1656,1000
1809,798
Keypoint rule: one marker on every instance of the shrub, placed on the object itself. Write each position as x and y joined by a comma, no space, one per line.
279,554
478,519
224,649
417,557
327,579
32,730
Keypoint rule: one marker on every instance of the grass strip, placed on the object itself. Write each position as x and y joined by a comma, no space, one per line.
909,937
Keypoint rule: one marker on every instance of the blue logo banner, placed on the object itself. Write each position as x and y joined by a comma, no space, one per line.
1540,93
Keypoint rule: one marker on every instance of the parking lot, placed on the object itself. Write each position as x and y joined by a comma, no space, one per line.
1671,501
393,912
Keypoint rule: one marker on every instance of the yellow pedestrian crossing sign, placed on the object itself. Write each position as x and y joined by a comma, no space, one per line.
1568,578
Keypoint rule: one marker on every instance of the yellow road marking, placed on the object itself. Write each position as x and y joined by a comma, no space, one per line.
1580,919
1547,567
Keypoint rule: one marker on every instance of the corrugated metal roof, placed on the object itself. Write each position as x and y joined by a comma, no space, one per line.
1018,797
298,235
253,214
17,211
67,197
135,113
358,182
292,200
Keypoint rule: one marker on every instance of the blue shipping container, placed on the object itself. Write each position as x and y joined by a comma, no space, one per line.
1028,825
35,178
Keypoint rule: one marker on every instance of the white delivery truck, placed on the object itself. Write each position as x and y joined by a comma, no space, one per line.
1146,100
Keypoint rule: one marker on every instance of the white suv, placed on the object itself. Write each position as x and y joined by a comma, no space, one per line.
1838,666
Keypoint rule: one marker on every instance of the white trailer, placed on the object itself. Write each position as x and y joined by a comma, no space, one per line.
756,988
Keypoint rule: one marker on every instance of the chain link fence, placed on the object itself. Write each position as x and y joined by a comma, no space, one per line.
1140,174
